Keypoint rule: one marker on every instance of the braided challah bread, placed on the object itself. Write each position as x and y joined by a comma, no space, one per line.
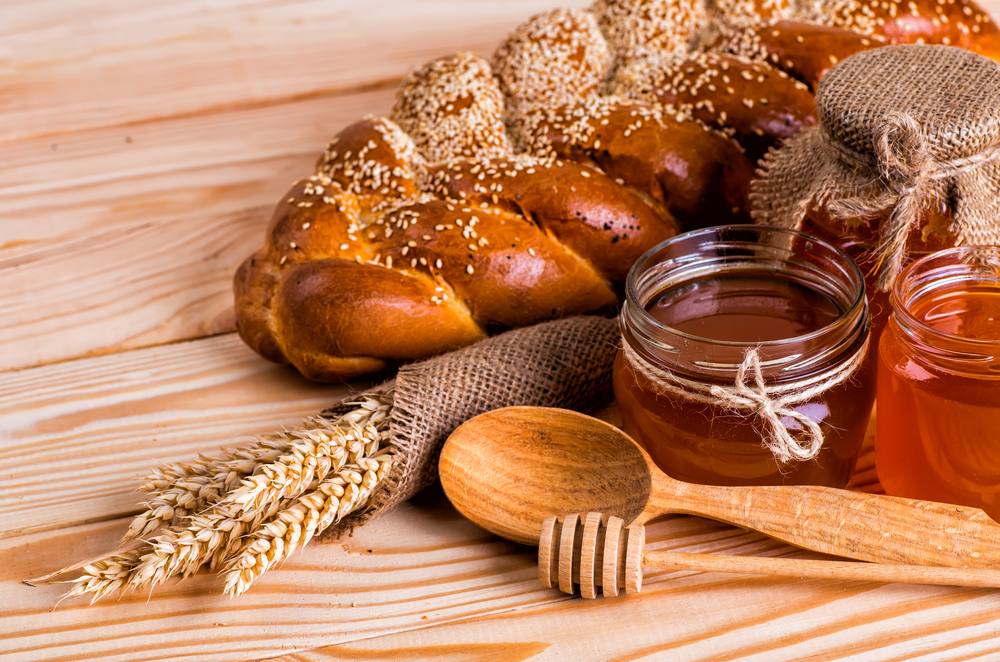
499,195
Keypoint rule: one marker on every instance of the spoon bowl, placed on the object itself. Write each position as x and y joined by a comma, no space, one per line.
509,469
506,472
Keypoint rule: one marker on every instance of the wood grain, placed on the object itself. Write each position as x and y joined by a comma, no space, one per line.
705,618
76,438
143,147
136,178
75,66
141,239
404,584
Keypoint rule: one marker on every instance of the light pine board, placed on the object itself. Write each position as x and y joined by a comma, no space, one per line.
68,66
419,571
138,242
145,144
76,438
144,147
423,583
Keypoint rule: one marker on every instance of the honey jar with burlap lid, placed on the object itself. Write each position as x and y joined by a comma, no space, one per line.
904,161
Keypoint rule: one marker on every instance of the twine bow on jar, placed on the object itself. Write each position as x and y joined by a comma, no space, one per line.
909,174
750,395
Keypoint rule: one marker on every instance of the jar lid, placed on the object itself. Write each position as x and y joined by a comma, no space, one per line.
953,94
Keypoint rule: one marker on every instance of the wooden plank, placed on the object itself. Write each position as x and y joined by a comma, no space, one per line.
135,244
76,438
423,583
71,66
418,566
136,204
711,618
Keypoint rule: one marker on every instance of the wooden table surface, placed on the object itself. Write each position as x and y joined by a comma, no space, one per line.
143,146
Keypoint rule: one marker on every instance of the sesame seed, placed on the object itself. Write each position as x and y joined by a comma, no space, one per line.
344,247
469,270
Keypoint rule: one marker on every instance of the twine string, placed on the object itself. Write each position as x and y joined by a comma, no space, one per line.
751,396
909,173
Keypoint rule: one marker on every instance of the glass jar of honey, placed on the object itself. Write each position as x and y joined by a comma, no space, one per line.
738,341
938,428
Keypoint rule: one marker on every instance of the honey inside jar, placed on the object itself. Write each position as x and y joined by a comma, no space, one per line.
938,435
718,293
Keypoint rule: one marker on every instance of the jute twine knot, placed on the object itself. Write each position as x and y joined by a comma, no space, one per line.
909,174
751,396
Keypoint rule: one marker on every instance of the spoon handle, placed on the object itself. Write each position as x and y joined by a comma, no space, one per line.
869,527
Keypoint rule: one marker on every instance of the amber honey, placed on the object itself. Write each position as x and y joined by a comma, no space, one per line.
938,434
696,304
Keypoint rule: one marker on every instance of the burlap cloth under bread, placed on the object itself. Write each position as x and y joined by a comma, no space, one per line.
565,363
900,128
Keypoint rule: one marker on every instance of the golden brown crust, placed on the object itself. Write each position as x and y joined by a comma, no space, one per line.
961,23
759,105
805,51
340,309
553,59
253,288
452,107
469,212
584,210
636,28
375,160
351,281
701,177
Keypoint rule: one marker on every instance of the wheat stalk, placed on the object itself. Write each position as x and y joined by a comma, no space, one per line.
204,509
293,527
103,577
181,489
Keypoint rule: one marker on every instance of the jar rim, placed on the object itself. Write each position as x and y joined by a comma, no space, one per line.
934,271
781,355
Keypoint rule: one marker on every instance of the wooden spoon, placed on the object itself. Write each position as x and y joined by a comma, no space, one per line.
509,469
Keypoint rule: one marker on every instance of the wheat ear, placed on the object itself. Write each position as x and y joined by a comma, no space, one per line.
212,531
103,577
348,491
181,489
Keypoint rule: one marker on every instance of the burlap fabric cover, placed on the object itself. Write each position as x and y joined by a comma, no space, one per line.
900,128
565,363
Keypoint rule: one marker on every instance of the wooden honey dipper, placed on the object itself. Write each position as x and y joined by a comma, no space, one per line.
510,469
579,553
